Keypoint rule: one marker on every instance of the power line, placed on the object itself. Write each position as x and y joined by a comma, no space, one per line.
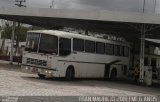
144,4
19,3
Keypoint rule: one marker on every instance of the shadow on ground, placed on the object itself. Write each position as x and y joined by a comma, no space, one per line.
125,85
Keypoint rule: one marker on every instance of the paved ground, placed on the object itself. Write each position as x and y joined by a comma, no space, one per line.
15,83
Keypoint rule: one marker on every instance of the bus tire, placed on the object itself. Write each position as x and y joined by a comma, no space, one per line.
70,73
41,76
113,75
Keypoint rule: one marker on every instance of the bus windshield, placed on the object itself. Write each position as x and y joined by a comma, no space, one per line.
48,44
32,42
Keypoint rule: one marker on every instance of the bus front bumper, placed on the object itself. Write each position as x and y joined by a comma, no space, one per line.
35,70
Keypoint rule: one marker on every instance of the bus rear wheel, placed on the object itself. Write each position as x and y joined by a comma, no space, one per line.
113,75
69,74
41,76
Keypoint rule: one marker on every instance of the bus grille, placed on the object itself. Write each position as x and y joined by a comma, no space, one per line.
36,62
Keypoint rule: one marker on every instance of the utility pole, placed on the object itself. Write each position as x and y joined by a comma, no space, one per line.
19,3
155,5
12,43
144,3
142,49
52,4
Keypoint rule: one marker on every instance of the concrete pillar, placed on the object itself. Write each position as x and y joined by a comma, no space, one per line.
12,43
142,53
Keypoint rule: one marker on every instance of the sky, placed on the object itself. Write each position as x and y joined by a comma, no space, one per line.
114,5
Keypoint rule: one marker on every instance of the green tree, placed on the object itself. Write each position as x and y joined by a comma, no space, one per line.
7,32
23,33
4,29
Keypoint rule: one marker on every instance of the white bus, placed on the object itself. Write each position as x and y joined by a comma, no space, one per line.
51,53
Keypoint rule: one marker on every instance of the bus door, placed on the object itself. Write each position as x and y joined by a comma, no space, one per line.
107,70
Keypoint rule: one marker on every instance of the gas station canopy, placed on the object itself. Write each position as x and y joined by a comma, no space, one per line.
124,24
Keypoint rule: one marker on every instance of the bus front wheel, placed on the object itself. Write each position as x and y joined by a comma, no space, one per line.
69,73
41,76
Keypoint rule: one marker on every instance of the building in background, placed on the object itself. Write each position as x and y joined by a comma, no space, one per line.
7,47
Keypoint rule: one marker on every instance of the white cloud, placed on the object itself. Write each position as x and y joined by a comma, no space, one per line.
38,3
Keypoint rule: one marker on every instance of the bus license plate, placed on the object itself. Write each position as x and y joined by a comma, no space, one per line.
35,70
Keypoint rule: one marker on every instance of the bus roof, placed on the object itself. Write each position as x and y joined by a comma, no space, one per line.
79,36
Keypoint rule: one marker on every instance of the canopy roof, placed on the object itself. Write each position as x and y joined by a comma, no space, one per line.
124,24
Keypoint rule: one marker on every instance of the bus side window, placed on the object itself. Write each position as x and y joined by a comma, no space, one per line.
115,50
118,50
109,49
122,50
126,51
64,46
89,46
78,44
100,48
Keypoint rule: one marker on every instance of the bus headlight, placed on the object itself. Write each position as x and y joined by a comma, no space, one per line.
26,68
48,72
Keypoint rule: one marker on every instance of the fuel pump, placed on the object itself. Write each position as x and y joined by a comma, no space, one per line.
148,75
